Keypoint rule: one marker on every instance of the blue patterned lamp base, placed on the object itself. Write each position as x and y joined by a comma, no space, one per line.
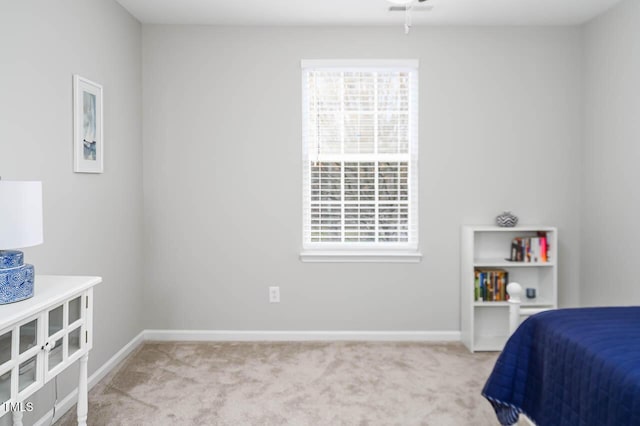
11,259
16,278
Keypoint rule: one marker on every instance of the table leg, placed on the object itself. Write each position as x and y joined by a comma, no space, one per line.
83,402
17,418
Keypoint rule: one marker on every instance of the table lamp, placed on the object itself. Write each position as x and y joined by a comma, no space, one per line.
20,226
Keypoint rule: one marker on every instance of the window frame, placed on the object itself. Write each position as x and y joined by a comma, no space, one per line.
358,251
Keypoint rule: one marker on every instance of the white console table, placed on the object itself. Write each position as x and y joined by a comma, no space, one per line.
41,336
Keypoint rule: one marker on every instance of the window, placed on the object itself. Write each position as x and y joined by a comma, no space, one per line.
360,159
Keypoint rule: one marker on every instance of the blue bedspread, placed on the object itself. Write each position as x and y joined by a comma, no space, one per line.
571,367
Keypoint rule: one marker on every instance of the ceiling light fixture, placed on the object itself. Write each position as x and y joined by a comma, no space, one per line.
405,5
407,20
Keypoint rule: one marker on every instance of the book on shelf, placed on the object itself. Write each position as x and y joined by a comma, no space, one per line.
530,249
490,285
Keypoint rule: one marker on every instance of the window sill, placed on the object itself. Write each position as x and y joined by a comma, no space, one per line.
317,256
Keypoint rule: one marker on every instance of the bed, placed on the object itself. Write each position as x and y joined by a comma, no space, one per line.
570,367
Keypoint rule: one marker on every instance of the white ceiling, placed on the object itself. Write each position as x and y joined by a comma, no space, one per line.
364,12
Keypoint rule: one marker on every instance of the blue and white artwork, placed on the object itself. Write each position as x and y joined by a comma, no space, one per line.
89,126
88,143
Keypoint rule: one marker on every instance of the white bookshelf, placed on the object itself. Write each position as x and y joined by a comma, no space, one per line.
484,324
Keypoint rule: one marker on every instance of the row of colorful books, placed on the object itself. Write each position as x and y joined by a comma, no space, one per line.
491,285
530,249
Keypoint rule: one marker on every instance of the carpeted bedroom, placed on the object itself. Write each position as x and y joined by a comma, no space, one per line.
302,383
319,212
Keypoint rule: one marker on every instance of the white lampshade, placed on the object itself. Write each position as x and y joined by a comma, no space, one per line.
20,214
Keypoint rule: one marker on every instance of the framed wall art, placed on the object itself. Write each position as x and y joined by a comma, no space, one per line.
88,142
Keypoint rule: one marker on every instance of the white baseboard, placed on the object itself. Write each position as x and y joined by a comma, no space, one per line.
300,336
65,404
246,336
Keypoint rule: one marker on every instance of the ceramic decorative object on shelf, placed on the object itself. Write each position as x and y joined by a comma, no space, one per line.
507,220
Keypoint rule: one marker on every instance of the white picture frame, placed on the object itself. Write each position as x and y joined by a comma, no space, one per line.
88,140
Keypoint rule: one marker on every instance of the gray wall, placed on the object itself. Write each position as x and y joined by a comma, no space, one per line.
611,207
93,223
502,117
500,128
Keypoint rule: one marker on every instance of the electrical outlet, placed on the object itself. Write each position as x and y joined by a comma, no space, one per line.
274,294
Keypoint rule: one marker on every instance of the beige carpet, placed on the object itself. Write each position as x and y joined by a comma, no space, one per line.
337,383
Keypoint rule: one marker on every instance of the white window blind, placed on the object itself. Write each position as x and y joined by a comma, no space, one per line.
360,155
